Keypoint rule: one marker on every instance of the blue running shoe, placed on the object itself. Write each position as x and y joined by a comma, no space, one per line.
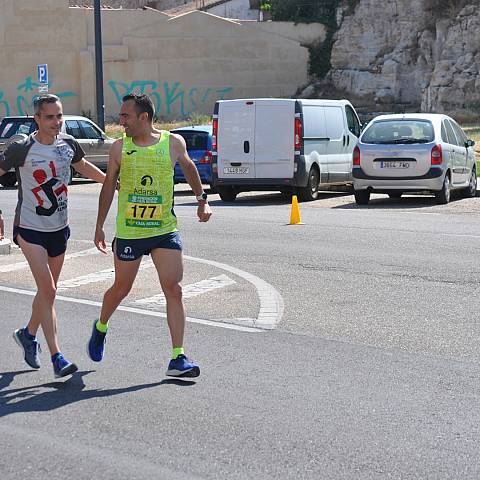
182,367
96,344
31,348
62,367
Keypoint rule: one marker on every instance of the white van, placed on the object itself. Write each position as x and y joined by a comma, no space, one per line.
282,144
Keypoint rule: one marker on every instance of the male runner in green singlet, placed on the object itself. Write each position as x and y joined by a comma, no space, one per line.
146,223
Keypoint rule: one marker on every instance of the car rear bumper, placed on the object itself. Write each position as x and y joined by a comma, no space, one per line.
299,179
432,180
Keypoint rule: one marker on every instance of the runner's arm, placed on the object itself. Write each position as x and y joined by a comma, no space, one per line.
180,155
106,194
87,169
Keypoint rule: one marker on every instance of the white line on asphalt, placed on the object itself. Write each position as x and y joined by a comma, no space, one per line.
21,265
94,277
189,291
271,302
152,313
460,235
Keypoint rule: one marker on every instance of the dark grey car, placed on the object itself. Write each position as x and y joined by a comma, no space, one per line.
95,143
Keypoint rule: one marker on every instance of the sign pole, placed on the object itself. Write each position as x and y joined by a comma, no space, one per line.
99,67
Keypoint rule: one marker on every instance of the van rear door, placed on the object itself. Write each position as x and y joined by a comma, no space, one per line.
274,138
235,139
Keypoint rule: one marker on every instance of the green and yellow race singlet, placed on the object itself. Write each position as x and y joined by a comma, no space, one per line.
145,200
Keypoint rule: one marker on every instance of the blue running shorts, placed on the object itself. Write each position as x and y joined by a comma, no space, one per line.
129,250
55,243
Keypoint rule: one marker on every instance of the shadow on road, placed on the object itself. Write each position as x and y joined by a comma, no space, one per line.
260,199
417,201
33,399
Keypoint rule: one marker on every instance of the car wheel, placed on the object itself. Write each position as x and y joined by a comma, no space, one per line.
362,197
227,194
442,197
395,195
471,190
212,189
9,179
310,192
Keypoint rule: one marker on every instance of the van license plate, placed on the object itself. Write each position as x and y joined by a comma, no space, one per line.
394,165
236,170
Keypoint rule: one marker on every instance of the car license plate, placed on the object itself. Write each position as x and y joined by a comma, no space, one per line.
399,165
236,170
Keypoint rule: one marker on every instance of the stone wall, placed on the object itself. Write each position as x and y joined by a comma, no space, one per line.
183,63
410,55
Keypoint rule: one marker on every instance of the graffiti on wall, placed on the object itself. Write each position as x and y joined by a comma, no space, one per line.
169,97
26,92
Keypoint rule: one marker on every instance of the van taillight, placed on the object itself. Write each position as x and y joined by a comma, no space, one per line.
298,134
214,134
356,156
207,158
437,157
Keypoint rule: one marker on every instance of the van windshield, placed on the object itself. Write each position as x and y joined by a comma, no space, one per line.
399,132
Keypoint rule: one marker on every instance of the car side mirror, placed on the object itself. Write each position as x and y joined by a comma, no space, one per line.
469,143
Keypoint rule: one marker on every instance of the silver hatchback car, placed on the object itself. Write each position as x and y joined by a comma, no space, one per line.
413,152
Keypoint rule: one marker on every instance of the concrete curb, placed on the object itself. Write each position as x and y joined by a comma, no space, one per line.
5,246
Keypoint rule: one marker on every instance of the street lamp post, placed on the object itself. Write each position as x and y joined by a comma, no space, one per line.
99,66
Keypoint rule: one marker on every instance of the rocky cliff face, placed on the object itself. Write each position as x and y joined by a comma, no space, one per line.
409,54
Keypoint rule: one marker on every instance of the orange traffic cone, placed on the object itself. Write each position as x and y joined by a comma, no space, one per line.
295,212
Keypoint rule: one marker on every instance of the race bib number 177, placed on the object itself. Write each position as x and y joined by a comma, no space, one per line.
144,211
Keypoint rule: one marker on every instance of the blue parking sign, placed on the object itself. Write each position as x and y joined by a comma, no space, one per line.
42,73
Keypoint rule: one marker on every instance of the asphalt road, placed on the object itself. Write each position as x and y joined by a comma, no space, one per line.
344,348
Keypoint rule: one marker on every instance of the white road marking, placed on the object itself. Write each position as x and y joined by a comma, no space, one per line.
21,265
271,302
189,291
152,313
100,276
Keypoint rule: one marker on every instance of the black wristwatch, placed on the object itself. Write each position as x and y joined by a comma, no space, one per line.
201,197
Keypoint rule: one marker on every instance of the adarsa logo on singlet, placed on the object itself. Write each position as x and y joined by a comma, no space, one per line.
144,191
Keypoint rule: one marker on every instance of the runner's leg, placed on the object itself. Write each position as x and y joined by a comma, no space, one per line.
42,307
125,274
56,264
169,265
